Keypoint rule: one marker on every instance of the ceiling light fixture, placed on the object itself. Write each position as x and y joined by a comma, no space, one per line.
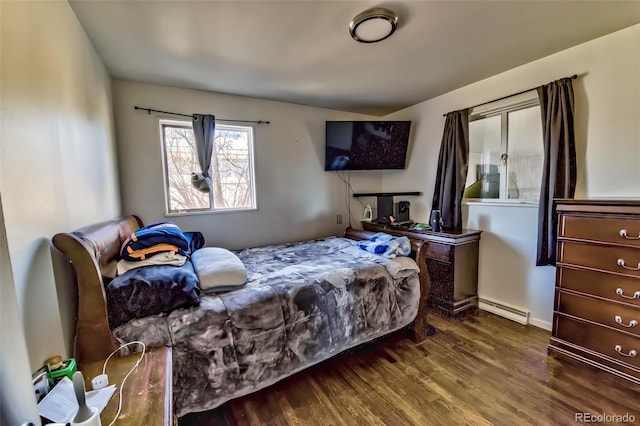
373,25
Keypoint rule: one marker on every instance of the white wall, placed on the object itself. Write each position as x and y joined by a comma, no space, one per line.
16,407
296,198
607,122
57,159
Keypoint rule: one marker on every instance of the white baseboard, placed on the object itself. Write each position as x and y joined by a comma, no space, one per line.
512,313
545,325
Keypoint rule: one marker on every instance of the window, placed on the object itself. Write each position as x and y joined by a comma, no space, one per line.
506,151
231,169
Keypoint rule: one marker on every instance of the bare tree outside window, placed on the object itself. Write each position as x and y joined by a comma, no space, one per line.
231,168
181,160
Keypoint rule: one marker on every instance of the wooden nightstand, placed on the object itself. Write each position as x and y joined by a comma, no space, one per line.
146,396
452,263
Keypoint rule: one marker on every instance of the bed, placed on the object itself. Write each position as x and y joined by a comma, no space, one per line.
303,303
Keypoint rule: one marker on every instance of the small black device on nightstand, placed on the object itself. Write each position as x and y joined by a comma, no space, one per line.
402,211
385,209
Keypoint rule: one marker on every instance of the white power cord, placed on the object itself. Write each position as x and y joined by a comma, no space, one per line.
104,368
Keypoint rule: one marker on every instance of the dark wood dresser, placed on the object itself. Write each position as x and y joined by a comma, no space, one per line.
452,264
596,316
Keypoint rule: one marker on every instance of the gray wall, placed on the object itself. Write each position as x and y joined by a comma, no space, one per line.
296,198
608,150
16,404
57,159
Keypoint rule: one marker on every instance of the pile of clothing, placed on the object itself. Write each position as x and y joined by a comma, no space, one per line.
386,245
154,273
161,243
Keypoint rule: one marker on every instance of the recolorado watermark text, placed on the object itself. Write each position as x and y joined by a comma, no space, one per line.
604,418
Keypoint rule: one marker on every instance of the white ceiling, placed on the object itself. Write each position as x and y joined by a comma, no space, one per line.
301,51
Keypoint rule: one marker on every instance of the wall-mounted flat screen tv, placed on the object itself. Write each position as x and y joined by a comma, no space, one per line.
366,145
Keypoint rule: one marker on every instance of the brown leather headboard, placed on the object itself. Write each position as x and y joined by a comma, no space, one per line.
91,250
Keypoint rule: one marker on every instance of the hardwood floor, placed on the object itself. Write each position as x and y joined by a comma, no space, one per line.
476,370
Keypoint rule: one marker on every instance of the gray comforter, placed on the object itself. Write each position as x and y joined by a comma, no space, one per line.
303,303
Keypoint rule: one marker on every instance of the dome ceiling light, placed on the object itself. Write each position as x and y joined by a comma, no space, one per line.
373,25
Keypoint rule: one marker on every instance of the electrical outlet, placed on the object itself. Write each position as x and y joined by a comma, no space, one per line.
339,219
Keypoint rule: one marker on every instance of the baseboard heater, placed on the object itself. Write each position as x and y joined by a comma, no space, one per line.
506,311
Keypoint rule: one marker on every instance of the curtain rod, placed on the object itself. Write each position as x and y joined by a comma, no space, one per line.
191,116
573,77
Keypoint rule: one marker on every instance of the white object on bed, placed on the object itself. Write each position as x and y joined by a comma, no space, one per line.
164,258
218,269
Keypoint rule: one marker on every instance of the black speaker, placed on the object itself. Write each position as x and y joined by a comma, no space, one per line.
435,220
385,209
402,211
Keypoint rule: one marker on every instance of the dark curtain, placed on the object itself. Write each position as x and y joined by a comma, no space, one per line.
204,130
452,169
559,168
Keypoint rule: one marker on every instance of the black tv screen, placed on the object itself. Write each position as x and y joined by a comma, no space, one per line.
366,145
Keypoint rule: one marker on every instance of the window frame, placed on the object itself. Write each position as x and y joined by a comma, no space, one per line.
172,122
502,108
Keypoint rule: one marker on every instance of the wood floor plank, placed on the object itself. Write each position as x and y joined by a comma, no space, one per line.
475,370
348,402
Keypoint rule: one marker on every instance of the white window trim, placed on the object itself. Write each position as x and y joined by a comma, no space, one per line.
165,174
521,101
494,202
211,211
513,103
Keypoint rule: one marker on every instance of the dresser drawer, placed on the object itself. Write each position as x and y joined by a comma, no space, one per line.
622,260
614,344
440,252
610,229
611,314
613,287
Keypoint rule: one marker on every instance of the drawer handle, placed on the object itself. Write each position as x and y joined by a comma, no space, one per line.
620,293
632,323
625,234
632,353
622,263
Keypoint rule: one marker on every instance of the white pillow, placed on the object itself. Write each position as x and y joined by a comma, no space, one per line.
218,269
